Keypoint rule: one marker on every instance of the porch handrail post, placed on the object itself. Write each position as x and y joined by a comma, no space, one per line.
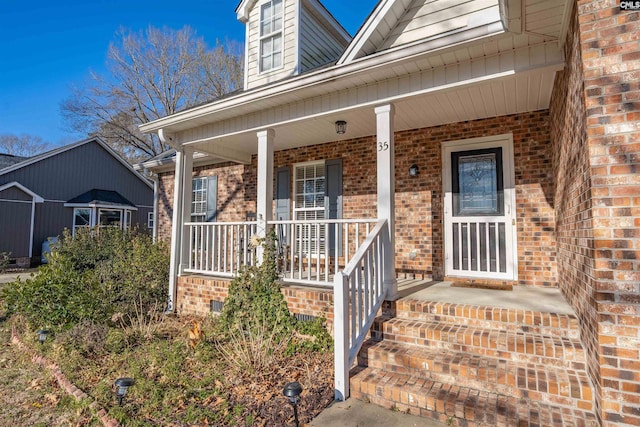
264,202
386,191
341,335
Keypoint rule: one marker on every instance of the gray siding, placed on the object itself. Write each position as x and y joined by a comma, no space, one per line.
62,177
81,169
15,226
14,193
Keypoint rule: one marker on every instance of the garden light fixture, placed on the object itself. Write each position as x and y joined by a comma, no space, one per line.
413,170
341,127
292,391
122,384
42,335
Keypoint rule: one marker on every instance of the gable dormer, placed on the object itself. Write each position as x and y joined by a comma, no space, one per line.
285,38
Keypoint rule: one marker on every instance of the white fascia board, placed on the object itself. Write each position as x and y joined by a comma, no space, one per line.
366,31
168,164
36,198
244,9
313,79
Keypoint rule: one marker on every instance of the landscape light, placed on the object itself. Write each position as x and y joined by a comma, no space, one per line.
292,391
122,384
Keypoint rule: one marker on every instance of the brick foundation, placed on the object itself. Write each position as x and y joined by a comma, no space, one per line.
196,292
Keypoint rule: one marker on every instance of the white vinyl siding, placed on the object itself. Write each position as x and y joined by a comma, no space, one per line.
431,19
256,77
317,46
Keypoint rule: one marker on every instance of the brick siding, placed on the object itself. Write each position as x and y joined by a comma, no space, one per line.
194,294
610,49
574,200
419,210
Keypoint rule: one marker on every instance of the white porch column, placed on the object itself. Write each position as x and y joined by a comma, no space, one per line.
181,213
386,190
264,203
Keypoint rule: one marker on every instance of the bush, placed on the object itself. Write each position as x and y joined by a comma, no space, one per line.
92,276
4,260
256,327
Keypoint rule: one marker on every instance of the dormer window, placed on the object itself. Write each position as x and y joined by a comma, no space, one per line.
271,35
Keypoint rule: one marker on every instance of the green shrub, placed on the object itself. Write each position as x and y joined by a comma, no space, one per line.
256,327
255,299
4,260
92,276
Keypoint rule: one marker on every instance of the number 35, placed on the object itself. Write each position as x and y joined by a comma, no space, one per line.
383,146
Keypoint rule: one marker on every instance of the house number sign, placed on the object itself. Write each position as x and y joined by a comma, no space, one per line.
383,146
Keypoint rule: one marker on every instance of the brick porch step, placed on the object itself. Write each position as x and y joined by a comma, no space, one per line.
557,385
449,403
508,319
492,342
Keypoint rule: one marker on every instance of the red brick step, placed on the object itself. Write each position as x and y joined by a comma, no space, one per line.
523,346
459,405
560,386
508,319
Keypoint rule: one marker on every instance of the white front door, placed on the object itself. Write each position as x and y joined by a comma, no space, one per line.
479,208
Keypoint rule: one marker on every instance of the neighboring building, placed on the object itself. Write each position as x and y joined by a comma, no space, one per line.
489,143
79,185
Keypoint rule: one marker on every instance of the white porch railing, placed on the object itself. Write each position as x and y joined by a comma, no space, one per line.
312,251
359,291
220,248
309,252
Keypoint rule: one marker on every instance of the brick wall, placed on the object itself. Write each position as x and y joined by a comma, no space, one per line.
573,196
610,49
419,211
195,293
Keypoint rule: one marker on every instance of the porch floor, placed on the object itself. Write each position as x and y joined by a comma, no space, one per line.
533,298
547,300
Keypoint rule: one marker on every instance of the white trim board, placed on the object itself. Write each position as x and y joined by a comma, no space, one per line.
504,141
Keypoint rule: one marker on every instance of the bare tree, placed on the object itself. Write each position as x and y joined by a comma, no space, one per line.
23,145
153,74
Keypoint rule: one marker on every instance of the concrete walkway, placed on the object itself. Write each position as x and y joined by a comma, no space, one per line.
12,277
355,413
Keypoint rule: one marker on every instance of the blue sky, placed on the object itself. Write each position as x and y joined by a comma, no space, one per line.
47,46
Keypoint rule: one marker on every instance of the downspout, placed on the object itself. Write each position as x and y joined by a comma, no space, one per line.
33,219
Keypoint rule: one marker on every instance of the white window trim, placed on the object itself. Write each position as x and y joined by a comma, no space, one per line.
91,219
120,212
296,208
194,215
262,37
150,220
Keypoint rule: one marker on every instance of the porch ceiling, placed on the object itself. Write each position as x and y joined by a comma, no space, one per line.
509,93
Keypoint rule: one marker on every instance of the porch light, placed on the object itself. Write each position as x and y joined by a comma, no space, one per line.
292,391
413,170
122,385
42,335
341,127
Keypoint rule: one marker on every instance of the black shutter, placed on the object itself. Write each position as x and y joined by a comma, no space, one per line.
333,200
212,199
283,200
